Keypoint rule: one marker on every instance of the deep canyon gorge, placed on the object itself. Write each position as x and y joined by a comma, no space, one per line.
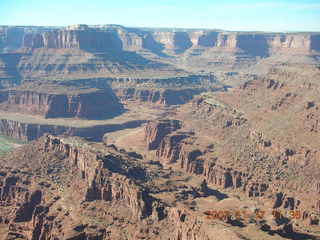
141,133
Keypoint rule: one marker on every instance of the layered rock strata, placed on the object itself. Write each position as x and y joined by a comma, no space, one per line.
155,90
83,103
174,42
164,97
155,131
82,51
31,131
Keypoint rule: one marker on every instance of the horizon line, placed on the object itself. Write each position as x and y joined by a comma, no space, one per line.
164,28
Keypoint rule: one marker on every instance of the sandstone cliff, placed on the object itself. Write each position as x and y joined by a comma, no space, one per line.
155,131
26,131
164,96
171,42
88,40
85,103
108,51
95,172
9,74
164,91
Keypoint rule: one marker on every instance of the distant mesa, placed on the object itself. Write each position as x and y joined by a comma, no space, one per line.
177,41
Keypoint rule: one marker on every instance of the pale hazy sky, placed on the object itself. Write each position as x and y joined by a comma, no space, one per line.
263,15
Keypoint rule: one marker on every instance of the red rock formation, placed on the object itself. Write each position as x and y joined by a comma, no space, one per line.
88,104
172,42
155,131
163,96
251,43
82,39
176,42
254,44
96,176
93,168
178,149
170,147
31,131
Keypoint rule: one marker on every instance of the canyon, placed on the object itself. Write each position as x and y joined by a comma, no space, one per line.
146,133
269,163
114,198
113,50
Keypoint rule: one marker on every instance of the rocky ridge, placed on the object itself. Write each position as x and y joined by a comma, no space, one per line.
33,218
114,197
227,128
